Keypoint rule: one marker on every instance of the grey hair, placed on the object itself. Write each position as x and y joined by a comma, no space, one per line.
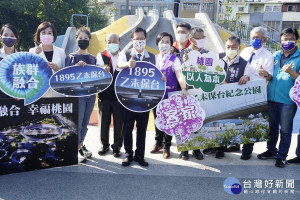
196,29
259,29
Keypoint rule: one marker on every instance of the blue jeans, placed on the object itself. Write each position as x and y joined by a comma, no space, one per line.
283,115
85,108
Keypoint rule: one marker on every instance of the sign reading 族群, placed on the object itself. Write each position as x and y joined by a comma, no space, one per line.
24,76
204,71
80,81
141,88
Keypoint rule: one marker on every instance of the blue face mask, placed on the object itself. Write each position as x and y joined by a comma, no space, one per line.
112,47
255,43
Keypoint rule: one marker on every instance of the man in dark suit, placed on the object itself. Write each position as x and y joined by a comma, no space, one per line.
107,100
128,59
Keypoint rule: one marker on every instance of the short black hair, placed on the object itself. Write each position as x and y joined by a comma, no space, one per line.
184,25
12,28
84,30
290,31
138,29
164,34
231,38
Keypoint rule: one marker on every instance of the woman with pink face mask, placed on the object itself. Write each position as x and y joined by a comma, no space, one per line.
44,37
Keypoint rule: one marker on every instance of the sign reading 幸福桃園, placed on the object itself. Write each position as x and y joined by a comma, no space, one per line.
38,136
203,71
25,76
141,88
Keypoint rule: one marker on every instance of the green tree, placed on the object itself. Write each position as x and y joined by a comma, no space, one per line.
26,15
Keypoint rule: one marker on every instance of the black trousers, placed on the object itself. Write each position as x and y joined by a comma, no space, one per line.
141,125
106,109
247,148
161,137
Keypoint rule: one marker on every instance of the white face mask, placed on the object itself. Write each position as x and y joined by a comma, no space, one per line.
200,43
139,44
181,37
231,53
164,48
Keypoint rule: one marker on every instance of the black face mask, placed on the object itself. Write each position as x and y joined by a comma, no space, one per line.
9,41
83,44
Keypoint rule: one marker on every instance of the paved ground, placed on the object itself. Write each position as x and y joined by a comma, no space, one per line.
102,177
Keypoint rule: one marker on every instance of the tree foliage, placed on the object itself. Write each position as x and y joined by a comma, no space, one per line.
26,15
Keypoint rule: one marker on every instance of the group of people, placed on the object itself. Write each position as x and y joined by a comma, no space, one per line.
252,63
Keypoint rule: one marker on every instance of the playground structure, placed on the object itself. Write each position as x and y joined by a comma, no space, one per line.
153,24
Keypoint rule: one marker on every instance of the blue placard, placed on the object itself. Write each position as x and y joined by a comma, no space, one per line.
141,88
24,75
78,81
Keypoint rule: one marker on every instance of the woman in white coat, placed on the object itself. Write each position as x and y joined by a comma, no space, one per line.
45,35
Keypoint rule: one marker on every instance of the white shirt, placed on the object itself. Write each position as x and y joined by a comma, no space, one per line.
59,58
122,57
114,60
262,57
3,54
160,61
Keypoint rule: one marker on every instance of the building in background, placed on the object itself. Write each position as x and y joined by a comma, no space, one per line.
273,15
187,8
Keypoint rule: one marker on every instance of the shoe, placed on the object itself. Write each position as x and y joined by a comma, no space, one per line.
81,157
280,162
210,150
103,150
295,160
126,161
184,155
141,161
246,156
266,155
220,154
166,153
116,153
86,152
156,149
198,155
233,148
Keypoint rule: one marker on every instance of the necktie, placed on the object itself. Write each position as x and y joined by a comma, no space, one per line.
139,56
251,57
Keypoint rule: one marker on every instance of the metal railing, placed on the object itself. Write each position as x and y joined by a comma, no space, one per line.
242,30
